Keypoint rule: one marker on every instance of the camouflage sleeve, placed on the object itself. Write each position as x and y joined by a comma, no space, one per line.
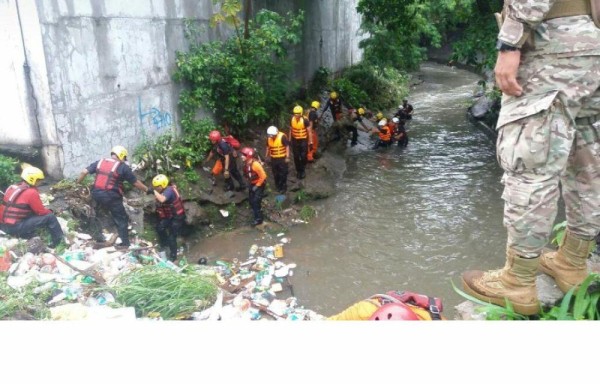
521,17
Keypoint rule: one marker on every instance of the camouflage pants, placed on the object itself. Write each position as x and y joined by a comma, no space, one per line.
549,143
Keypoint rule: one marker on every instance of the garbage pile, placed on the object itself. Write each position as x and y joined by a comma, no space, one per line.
250,288
83,282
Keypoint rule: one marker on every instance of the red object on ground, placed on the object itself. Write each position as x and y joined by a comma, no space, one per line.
5,261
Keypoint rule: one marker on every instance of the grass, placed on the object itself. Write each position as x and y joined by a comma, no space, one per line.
307,213
149,233
301,196
578,305
17,303
158,291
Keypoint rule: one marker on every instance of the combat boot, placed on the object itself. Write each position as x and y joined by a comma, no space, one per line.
568,265
515,283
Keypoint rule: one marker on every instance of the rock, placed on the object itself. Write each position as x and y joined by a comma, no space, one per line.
83,236
194,213
481,107
36,245
319,182
467,311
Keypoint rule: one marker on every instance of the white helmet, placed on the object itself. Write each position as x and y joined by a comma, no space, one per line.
272,130
382,122
395,120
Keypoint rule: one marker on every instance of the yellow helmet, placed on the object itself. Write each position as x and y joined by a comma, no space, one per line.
379,115
31,175
361,111
315,104
160,180
120,151
298,110
333,95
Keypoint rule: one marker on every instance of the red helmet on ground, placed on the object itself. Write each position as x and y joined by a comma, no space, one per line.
394,311
214,136
248,152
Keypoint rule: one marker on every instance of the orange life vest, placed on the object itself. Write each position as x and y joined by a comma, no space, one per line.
276,147
385,135
107,176
13,212
250,173
299,128
168,210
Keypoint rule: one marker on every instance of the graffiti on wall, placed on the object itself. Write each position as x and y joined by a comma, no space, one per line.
153,117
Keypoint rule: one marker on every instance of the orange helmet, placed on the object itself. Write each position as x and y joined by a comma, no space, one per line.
214,136
394,311
248,152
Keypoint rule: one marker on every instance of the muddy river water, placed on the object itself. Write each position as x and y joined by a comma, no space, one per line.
402,218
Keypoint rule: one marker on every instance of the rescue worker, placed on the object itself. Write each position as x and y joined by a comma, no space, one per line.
313,117
22,212
384,134
400,134
107,191
301,136
171,214
278,153
378,117
394,305
257,178
356,118
335,105
226,160
392,125
405,111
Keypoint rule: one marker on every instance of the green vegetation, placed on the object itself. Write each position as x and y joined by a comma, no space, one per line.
307,213
169,154
244,80
559,233
149,233
8,171
364,85
400,30
22,303
159,291
65,184
301,196
212,212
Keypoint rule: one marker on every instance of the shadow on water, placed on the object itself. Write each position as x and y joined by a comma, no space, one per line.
403,218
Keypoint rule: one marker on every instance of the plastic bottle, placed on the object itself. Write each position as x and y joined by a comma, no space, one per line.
104,298
269,252
253,249
45,287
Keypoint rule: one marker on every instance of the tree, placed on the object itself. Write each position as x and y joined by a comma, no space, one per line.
245,79
400,30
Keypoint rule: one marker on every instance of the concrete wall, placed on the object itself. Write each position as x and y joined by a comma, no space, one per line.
330,35
103,68
25,110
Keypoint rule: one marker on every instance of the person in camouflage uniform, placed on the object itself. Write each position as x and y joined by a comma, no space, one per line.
548,68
